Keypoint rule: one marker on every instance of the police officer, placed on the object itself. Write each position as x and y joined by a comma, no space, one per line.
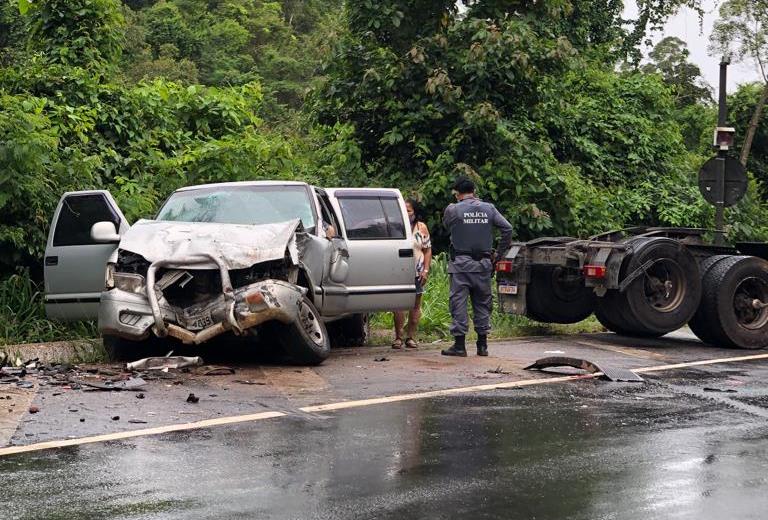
471,222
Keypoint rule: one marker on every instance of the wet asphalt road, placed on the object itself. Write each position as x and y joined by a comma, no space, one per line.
583,450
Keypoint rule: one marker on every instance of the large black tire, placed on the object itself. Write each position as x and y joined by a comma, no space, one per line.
610,310
730,288
353,331
555,297
699,324
666,296
121,349
306,340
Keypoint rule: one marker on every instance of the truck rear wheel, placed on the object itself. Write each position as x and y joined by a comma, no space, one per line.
667,293
305,341
610,310
699,324
556,295
735,303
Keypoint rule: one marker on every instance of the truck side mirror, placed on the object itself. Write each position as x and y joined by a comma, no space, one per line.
105,233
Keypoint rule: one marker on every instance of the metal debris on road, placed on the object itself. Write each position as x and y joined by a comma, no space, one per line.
609,372
215,371
165,363
136,421
133,383
192,398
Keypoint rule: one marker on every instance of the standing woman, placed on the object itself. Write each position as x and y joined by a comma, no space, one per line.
422,253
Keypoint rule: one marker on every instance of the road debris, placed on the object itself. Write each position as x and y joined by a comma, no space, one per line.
33,409
192,398
210,370
136,421
165,363
498,370
133,383
139,396
608,372
247,382
381,359
116,418
724,390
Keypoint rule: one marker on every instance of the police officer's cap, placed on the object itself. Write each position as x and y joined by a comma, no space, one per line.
464,185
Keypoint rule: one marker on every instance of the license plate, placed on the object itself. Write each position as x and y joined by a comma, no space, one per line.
507,289
201,321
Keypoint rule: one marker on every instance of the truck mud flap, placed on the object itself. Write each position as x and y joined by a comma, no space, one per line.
609,372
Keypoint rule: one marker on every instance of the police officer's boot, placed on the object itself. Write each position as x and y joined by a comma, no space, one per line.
482,345
457,349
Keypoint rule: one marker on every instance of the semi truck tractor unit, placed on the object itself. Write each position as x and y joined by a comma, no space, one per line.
642,281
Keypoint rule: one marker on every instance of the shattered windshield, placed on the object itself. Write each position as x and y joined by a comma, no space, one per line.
240,205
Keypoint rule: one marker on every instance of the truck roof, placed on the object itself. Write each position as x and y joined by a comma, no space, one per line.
244,183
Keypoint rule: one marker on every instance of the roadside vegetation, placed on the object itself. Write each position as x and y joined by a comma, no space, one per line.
566,120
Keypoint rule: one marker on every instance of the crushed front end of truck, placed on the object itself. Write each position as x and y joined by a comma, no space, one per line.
195,281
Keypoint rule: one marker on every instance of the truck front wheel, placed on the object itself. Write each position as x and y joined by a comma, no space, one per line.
305,341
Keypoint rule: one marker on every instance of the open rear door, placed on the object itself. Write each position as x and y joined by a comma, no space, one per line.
382,272
74,263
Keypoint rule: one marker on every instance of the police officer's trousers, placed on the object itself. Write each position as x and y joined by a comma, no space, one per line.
476,286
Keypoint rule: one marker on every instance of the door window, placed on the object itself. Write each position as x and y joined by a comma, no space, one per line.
78,214
373,217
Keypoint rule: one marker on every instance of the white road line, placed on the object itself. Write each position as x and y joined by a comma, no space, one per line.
236,419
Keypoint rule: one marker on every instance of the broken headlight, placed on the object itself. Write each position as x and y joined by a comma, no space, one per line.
129,282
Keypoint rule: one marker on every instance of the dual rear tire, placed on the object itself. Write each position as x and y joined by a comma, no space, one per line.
663,295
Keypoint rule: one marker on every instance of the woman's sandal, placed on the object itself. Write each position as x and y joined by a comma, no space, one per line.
411,343
397,344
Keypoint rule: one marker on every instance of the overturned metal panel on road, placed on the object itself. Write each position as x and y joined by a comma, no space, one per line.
609,372
238,246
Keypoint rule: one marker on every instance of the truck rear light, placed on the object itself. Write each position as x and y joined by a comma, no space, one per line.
504,266
594,271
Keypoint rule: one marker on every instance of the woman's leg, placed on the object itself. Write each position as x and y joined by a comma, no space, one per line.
399,318
414,315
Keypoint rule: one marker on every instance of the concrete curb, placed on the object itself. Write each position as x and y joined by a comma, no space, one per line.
75,351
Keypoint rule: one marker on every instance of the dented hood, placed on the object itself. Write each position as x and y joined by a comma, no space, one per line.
238,246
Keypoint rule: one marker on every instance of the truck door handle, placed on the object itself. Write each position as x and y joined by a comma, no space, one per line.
405,253
51,260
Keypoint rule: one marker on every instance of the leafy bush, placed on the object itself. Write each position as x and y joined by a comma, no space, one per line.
22,316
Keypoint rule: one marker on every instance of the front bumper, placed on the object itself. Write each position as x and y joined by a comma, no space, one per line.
133,316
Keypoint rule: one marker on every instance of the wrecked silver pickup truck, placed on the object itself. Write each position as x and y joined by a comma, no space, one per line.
235,258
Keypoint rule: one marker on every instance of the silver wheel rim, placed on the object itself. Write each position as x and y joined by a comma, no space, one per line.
749,290
311,325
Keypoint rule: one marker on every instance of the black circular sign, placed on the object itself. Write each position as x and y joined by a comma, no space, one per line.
735,180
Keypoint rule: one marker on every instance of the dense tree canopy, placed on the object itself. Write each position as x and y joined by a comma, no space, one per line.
528,97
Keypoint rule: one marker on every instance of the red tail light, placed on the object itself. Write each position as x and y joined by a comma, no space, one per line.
504,266
594,271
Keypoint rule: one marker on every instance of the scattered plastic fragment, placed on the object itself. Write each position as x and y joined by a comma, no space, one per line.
165,363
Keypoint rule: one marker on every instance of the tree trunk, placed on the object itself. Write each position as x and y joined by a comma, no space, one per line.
754,122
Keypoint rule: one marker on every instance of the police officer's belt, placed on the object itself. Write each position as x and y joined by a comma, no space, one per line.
476,255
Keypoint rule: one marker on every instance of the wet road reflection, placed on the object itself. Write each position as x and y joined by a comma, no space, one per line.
584,451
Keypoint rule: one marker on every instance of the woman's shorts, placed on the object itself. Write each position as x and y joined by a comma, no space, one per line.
419,288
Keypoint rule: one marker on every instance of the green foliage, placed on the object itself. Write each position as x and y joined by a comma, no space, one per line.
22,316
669,58
741,108
85,33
